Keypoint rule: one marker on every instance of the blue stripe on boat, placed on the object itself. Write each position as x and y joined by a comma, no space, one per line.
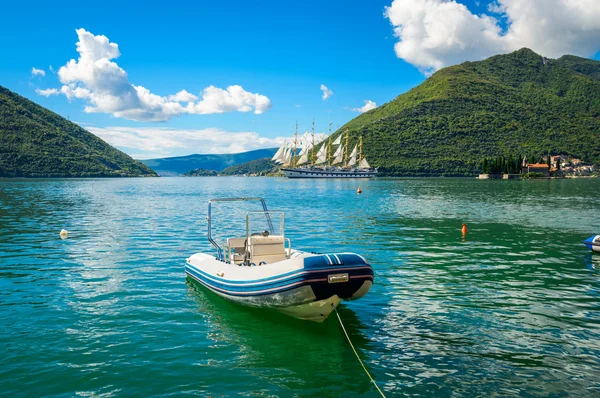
263,290
314,263
325,260
249,287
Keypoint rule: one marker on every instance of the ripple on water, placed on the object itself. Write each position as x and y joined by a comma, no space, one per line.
509,309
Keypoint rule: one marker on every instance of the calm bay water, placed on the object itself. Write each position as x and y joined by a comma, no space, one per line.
513,309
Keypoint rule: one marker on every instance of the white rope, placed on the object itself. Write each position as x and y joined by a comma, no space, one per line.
357,356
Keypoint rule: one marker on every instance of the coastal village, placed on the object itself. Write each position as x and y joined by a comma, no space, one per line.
557,166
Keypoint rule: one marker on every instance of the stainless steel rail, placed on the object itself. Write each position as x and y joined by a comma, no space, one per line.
242,199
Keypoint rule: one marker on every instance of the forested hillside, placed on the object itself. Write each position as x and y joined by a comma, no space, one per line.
35,142
518,103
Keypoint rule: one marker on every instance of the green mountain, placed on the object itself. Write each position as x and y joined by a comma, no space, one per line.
514,104
262,166
182,164
36,142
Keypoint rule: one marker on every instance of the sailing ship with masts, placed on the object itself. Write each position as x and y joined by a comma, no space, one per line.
330,161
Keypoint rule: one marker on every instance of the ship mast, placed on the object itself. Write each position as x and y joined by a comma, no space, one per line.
312,154
360,149
329,146
294,160
346,150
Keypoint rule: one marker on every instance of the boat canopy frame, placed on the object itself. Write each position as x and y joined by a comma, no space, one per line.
220,253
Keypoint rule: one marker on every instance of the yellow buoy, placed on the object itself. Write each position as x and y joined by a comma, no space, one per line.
464,229
358,190
64,233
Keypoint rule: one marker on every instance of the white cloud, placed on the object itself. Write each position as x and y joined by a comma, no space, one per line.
37,72
47,92
366,107
436,33
95,78
183,96
326,92
153,142
235,98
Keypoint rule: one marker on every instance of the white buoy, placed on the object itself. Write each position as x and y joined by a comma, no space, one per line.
64,234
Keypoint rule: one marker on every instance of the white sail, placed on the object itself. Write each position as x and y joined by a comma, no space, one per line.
322,155
364,164
281,158
339,150
338,140
288,156
279,152
305,148
303,159
320,138
339,155
352,160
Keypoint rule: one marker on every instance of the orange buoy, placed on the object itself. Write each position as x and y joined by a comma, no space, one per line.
358,190
464,229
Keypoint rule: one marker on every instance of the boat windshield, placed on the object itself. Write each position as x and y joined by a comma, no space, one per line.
264,223
229,218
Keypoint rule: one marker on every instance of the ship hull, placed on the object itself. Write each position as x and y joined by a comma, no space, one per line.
315,173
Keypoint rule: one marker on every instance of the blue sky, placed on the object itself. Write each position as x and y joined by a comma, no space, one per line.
281,51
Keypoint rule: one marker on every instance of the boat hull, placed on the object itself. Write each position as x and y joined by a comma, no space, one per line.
306,287
318,173
593,243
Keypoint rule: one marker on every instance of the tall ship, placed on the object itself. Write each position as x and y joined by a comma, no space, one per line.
320,157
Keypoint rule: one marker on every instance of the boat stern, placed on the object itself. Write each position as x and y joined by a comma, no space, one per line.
346,275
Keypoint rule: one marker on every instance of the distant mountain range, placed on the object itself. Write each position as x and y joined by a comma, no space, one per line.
182,164
35,142
514,104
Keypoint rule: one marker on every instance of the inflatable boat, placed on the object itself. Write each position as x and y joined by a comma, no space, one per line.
261,269
593,243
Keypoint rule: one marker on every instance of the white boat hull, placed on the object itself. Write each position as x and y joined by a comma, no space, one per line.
304,286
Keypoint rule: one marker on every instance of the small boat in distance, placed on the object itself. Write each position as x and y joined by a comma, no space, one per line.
326,163
261,269
593,243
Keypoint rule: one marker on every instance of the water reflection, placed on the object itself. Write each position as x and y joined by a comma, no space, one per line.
278,349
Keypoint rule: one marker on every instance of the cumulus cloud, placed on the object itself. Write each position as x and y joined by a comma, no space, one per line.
326,92
152,142
37,72
47,92
183,96
436,33
95,78
368,105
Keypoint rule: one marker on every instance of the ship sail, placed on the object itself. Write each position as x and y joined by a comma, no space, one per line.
303,159
287,157
322,155
352,160
338,140
339,155
278,155
339,151
364,164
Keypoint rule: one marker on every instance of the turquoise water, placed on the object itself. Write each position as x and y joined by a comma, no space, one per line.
512,309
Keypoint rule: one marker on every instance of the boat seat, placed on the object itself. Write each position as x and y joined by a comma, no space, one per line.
267,249
237,250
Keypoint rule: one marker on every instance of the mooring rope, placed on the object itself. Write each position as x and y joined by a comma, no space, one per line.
356,353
